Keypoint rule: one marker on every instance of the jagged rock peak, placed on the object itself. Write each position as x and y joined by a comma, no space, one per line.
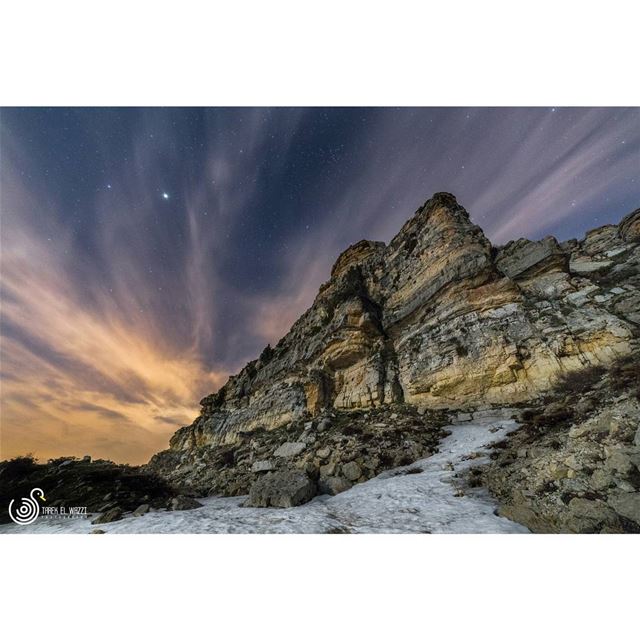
443,202
356,254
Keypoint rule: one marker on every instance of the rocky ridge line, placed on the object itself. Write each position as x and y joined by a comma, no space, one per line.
438,319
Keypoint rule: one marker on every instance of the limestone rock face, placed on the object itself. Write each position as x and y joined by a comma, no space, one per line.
438,318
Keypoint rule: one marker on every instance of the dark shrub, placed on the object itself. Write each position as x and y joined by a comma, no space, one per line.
18,467
625,374
352,430
579,382
461,350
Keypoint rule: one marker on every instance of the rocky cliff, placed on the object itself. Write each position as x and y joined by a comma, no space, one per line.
437,319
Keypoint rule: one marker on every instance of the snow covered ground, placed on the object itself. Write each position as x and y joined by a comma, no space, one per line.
426,500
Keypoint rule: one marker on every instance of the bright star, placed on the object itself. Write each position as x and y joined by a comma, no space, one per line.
165,195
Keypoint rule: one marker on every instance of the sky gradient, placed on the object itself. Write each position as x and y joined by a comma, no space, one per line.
146,254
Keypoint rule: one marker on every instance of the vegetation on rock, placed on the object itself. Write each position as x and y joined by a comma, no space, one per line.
574,467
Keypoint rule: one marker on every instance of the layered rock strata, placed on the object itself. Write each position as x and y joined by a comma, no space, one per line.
436,319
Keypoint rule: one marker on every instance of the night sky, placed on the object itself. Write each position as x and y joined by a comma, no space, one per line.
149,253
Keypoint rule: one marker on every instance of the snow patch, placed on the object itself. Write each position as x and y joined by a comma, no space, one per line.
423,497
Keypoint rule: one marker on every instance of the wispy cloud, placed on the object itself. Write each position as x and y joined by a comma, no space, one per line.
83,378
122,307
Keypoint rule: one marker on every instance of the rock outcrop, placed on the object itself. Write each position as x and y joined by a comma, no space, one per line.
334,451
437,319
574,467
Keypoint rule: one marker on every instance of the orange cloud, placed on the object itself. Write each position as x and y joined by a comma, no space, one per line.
79,379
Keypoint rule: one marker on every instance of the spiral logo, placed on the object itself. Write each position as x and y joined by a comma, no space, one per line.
29,508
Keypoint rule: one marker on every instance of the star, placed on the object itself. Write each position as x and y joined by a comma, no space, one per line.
165,195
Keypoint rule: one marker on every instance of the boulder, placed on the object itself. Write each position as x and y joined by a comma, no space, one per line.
601,479
333,485
262,465
599,424
281,489
97,531
627,505
554,408
289,449
589,516
327,469
524,514
351,471
183,503
141,510
108,516
620,462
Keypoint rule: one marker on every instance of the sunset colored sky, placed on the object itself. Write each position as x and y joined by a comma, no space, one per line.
146,254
